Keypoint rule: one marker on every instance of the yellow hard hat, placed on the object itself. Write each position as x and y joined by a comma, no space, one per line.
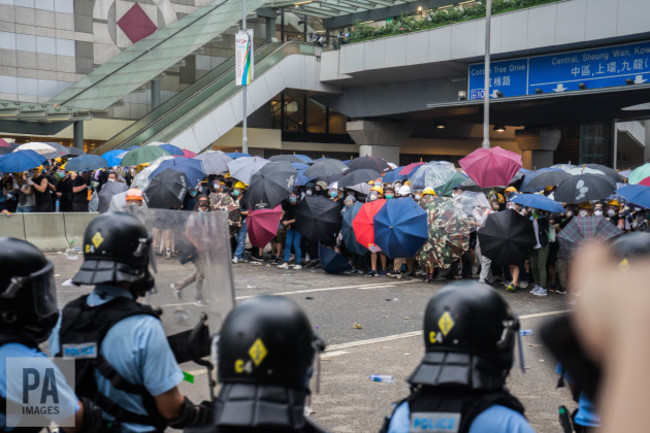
510,189
240,185
378,189
613,202
428,191
548,188
501,198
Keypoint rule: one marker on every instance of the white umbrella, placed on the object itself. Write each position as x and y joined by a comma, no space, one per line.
38,147
583,170
141,180
245,167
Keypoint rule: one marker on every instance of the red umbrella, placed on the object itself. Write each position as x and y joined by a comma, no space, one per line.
263,225
364,223
187,154
645,182
491,167
409,168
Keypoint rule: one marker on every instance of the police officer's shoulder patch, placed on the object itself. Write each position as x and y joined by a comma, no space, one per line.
434,422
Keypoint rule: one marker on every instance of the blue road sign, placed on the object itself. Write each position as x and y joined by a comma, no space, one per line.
595,68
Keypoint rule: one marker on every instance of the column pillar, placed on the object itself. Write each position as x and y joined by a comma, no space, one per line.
270,29
78,134
155,93
379,139
537,146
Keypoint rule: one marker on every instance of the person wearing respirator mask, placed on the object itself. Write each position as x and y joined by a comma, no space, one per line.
598,209
585,209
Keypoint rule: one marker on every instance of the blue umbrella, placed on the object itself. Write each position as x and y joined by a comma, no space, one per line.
173,150
235,155
305,158
331,261
301,179
114,157
300,165
401,227
394,175
86,163
191,168
635,194
22,160
538,201
347,232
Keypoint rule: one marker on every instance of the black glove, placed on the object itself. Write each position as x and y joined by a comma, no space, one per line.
192,416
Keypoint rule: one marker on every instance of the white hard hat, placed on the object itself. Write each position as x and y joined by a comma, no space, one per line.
404,190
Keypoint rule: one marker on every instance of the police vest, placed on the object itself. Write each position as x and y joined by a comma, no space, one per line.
310,427
83,329
6,339
451,410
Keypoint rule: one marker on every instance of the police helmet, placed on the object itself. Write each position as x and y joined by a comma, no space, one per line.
27,290
469,338
117,249
267,340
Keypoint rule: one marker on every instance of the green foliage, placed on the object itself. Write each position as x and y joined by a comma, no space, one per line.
436,18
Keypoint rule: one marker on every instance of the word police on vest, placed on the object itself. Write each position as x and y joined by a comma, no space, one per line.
434,422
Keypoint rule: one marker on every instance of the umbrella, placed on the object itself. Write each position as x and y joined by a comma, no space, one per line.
449,229
45,149
141,180
271,185
301,179
636,194
507,237
432,175
638,174
409,169
141,155
245,167
173,150
3,143
300,165
584,170
584,187
538,201
491,167
469,201
539,179
370,162
644,182
364,224
362,188
456,179
166,190
394,175
563,167
470,185
304,158
328,169
191,168
580,229
61,150
401,227
263,225
236,155
86,163
331,261
114,157
317,218
608,171
347,231
214,163
355,177
285,158
8,149
105,195
625,173
17,162
188,154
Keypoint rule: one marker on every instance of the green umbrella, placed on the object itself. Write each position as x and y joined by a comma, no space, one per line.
639,174
142,155
447,187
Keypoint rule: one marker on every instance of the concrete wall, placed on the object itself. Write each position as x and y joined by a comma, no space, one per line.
48,231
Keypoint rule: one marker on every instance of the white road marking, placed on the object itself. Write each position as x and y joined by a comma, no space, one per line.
332,354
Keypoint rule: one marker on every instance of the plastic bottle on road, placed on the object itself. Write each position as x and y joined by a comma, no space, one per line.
382,378
526,332
57,205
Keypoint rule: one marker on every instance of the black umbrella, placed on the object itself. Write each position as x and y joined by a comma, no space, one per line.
166,190
544,179
8,149
506,238
318,218
358,176
285,158
86,163
331,261
608,171
370,162
585,187
108,190
327,169
271,184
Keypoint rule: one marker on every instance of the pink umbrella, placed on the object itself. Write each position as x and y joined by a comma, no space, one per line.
645,182
409,168
3,143
187,154
491,167
263,225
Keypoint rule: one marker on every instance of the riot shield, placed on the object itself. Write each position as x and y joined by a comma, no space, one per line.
194,285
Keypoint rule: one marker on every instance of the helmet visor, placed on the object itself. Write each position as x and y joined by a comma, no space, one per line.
44,291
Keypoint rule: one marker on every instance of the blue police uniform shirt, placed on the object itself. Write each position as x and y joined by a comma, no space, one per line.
67,397
495,419
586,415
138,349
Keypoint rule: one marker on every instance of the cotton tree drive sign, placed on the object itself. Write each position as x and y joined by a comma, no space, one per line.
244,57
594,68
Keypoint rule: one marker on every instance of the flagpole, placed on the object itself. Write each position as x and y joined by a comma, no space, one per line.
244,138
486,85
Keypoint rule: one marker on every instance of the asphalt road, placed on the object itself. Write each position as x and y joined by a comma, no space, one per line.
388,340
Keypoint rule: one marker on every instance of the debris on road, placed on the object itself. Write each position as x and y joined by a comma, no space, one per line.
356,326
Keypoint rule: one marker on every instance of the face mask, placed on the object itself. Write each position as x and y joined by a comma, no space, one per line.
333,194
611,212
348,203
583,213
569,213
397,186
111,179
216,185
193,193
598,212
372,197
235,192
308,192
350,193
511,206
389,196
418,197
292,199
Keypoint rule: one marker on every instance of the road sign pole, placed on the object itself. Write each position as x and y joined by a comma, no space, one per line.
244,137
486,86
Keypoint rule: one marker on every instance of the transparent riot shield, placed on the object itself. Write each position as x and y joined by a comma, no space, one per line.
194,285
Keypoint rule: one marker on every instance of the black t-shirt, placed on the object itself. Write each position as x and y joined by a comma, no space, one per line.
41,197
80,197
289,211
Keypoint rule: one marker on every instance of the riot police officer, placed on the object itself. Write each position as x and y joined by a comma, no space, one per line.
123,360
266,353
28,312
459,386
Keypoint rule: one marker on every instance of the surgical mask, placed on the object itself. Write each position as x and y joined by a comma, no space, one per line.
418,197
292,199
308,192
194,193
235,192
511,206
389,196
583,213
348,203
397,186
333,194
611,212
216,185
569,213
110,179
598,212
372,197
